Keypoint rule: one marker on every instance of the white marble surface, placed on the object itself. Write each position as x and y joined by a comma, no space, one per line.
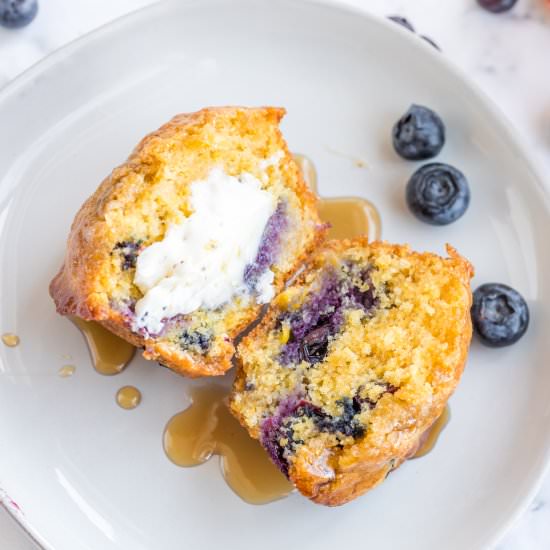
506,55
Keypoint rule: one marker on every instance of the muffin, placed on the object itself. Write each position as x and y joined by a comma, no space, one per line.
179,248
353,362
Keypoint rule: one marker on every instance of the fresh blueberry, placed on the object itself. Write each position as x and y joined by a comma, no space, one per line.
438,194
402,21
431,42
497,6
419,134
500,314
15,14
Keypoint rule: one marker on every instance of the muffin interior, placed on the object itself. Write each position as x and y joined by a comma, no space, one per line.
373,330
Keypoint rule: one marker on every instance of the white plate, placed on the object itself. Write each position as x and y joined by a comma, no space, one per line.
89,475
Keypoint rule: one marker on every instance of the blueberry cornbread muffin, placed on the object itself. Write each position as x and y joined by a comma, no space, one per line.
180,246
353,363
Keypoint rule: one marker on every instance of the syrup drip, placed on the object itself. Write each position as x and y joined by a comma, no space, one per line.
128,397
349,216
11,340
207,428
66,371
430,437
110,354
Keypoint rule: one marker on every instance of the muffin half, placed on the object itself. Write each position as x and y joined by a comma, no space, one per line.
353,363
180,246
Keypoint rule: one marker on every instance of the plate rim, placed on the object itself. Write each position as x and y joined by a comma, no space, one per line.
499,119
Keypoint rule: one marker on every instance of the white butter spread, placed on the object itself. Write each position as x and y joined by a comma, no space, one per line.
264,287
200,262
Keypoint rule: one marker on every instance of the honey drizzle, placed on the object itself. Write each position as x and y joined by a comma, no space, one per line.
110,354
66,371
128,397
348,216
11,340
207,428
430,437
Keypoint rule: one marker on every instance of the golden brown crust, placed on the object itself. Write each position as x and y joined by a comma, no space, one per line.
78,287
395,425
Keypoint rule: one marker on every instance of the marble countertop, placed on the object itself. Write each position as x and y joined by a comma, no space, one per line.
506,55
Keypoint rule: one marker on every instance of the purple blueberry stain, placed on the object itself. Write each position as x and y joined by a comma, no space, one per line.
269,246
319,311
277,433
195,339
176,328
273,430
126,308
347,424
322,316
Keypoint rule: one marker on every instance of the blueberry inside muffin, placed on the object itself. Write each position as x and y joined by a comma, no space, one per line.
353,362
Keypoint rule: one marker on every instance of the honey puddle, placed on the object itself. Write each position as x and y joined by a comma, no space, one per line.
110,354
9,339
430,437
349,216
66,371
128,397
207,428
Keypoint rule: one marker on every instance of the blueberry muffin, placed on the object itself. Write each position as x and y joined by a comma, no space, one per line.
180,246
353,362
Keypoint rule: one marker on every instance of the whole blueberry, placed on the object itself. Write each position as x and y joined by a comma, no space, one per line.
402,21
500,314
497,6
17,13
419,134
438,193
